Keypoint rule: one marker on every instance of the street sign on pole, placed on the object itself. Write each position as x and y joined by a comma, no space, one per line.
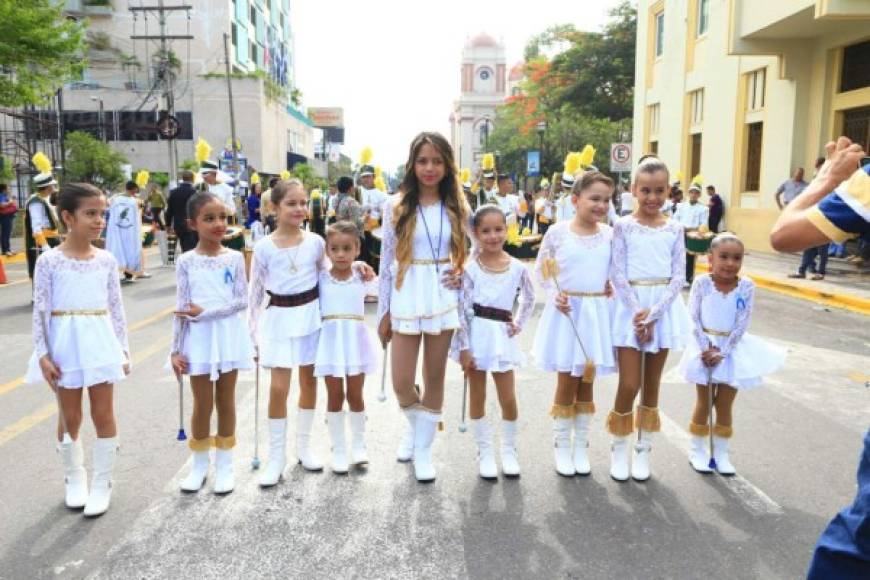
620,157
533,163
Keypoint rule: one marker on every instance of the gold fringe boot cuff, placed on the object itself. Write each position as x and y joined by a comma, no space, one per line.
647,419
225,442
723,431
584,408
699,430
203,444
563,411
619,424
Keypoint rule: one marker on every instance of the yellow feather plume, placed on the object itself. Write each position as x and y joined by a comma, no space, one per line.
678,176
41,162
698,179
142,177
549,269
378,171
488,162
315,194
513,235
572,163
380,184
285,175
464,175
587,156
545,182
202,150
365,156
255,179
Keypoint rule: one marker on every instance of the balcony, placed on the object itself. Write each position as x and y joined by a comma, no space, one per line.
89,8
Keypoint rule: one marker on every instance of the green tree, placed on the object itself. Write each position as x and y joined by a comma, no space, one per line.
41,48
305,172
92,161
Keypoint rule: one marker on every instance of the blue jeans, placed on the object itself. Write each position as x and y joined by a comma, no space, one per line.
6,222
808,260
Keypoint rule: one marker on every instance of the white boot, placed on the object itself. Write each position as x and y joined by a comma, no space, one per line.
304,423
699,458
105,453
406,446
640,457
75,476
485,455
562,446
424,436
720,454
581,443
339,445
358,453
619,466
277,453
224,479
199,465
510,464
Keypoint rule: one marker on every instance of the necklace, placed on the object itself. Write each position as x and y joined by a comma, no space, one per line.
489,270
293,267
435,255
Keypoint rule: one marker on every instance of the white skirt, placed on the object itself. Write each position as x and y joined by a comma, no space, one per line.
345,349
555,347
290,352
86,351
743,368
491,347
218,346
671,331
423,305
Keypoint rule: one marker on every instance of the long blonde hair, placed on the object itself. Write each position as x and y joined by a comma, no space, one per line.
405,210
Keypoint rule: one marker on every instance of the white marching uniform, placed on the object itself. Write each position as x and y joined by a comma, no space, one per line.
286,336
648,271
86,333
721,320
372,201
583,264
216,340
509,205
564,208
491,347
422,304
124,233
224,192
346,348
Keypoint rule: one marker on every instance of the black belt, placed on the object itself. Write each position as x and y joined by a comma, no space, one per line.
491,313
291,300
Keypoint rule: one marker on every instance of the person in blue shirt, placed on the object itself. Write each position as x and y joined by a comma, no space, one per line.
254,204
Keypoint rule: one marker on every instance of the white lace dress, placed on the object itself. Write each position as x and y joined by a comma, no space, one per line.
648,270
491,346
722,320
216,341
583,264
346,347
78,316
287,337
422,304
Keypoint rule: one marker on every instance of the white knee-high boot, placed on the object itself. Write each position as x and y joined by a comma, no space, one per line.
620,426
563,423
648,422
199,449
224,480
358,452
699,457
339,445
75,476
485,455
721,438
105,454
304,424
581,436
406,445
424,436
510,464
277,453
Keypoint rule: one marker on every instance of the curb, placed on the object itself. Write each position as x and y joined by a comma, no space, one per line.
845,301
16,259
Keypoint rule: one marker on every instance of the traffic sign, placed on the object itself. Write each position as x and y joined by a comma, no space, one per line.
620,157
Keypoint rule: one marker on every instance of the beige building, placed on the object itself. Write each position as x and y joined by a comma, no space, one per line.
744,92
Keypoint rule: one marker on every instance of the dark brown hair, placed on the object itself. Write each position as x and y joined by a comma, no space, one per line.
343,227
71,195
484,211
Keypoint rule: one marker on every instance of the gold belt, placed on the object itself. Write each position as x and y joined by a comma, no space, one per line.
650,282
429,262
343,317
101,312
715,332
585,294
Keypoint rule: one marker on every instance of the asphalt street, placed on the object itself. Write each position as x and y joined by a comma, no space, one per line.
796,447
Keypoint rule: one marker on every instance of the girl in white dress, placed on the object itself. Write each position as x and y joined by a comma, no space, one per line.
579,289
424,241
210,342
650,319
80,341
287,265
346,351
722,352
486,340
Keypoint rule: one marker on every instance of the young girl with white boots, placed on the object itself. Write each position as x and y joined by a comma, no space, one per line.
577,299
80,341
210,342
346,351
486,341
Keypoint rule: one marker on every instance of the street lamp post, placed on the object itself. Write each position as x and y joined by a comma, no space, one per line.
102,119
542,128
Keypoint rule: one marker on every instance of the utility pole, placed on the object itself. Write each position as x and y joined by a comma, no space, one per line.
232,114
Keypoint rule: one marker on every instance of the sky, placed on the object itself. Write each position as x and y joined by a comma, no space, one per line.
394,66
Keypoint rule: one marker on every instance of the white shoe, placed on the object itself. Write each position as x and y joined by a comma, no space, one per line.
224,479
339,445
424,436
105,454
485,456
304,423
581,444
562,446
699,458
640,457
75,476
358,452
619,461
720,454
510,464
406,446
277,453
198,472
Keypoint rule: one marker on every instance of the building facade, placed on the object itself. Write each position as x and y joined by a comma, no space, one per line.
744,92
483,88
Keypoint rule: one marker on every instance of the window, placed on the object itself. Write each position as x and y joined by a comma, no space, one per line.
856,126
696,100
660,33
755,90
752,178
654,113
654,147
703,17
696,154
855,72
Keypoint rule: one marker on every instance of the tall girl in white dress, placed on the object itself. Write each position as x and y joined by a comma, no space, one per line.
486,341
210,342
80,341
579,289
650,319
346,352
722,352
424,241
